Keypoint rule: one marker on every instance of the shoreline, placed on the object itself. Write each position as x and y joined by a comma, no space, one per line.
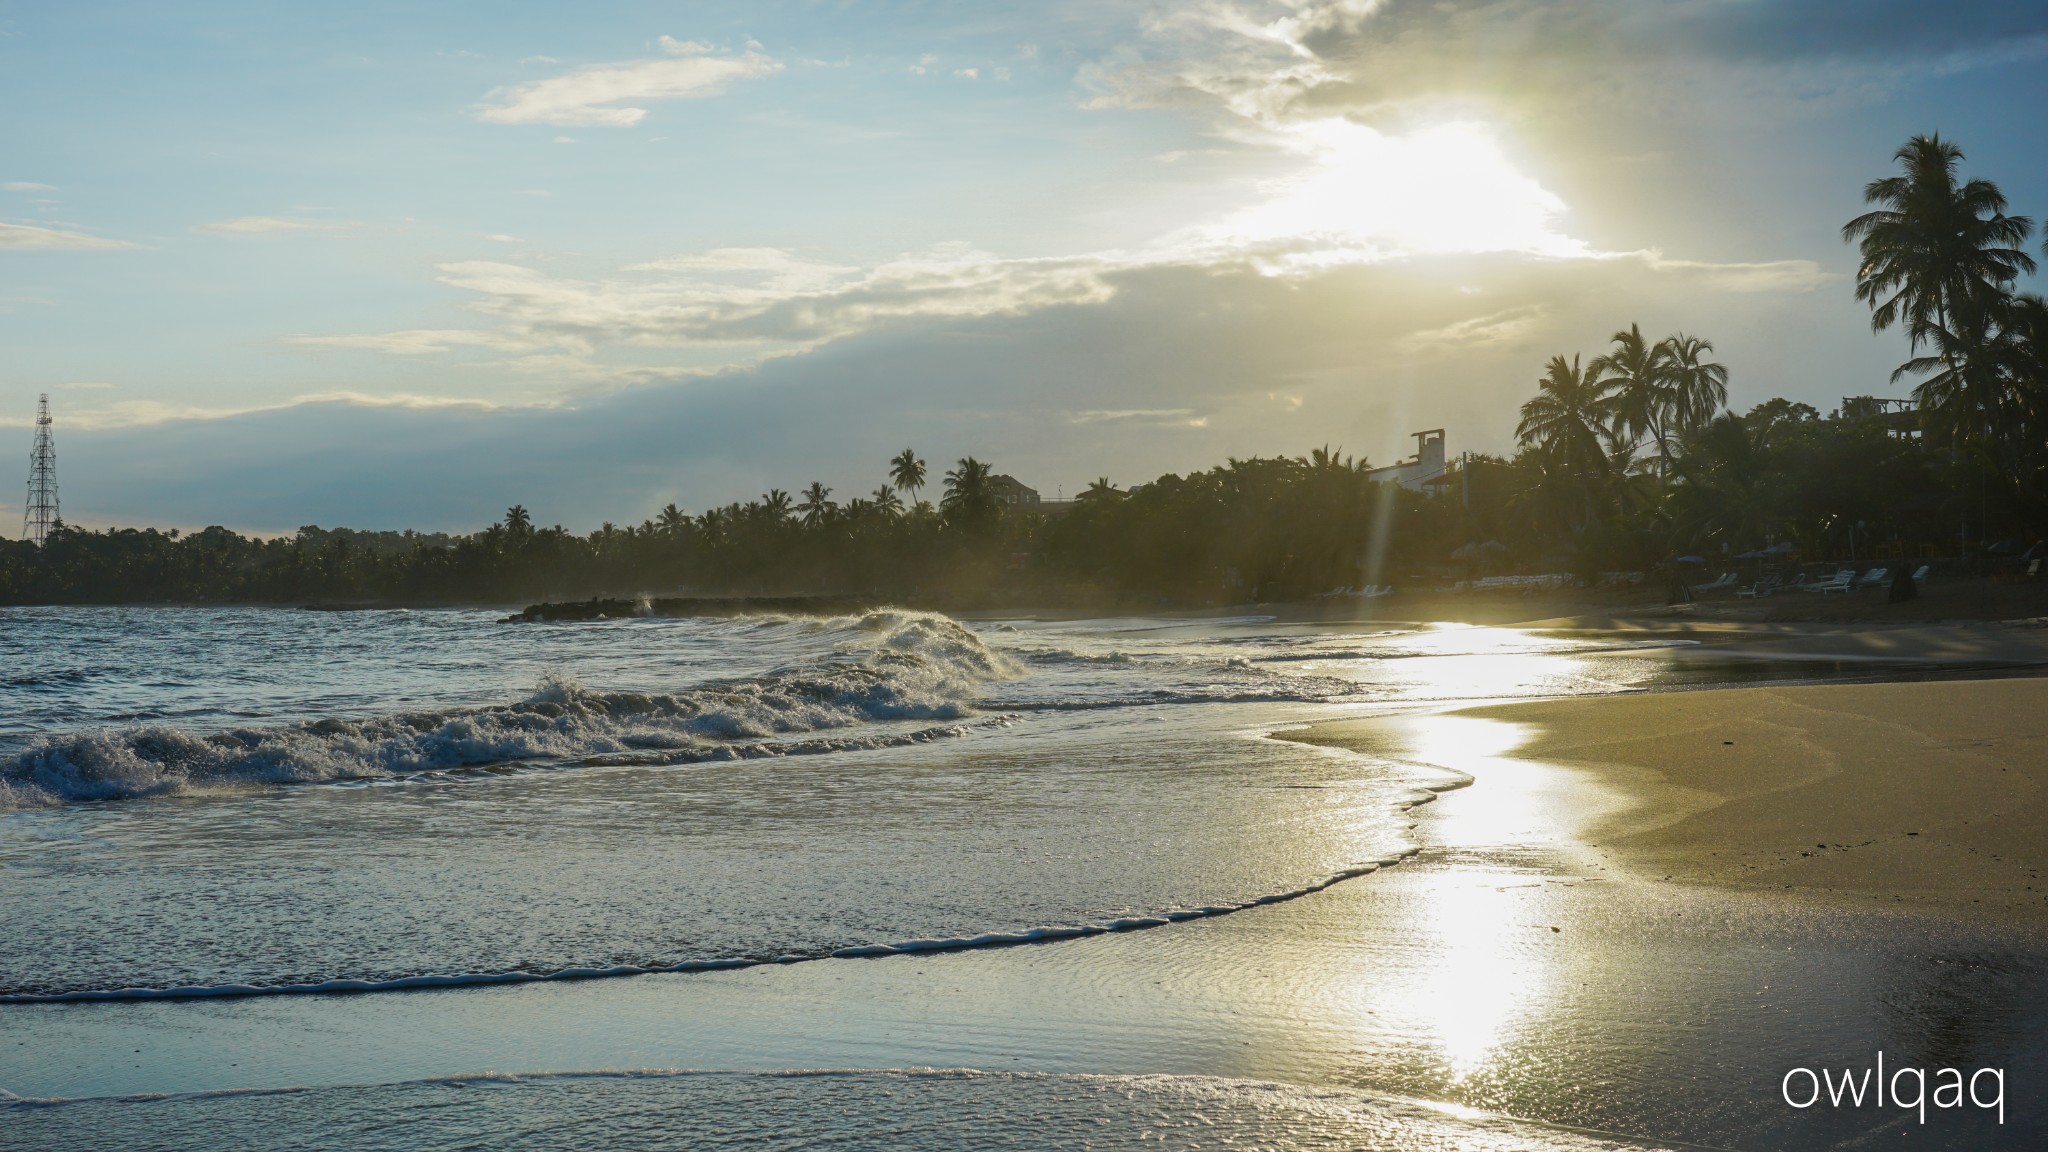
1962,600
1926,796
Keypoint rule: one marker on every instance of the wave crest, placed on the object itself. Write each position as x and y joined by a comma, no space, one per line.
886,665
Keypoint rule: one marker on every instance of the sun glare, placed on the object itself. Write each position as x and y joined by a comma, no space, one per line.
1366,195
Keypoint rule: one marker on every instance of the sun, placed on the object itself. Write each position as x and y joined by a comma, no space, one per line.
1364,195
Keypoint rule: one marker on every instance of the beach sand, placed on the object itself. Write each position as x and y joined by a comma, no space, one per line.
1926,795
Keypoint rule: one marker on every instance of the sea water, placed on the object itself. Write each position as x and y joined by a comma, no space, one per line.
246,803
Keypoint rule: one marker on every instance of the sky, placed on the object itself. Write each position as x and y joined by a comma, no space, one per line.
402,265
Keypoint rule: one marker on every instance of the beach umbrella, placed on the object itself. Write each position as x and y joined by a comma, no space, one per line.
1749,555
1692,559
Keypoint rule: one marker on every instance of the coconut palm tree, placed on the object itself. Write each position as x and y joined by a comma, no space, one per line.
906,472
1325,459
1938,257
671,520
1567,416
816,507
1697,388
1934,245
970,497
1101,491
1565,427
1989,385
775,504
1638,388
886,501
712,525
518,521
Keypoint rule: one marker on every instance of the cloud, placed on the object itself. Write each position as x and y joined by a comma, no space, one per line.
735,308
924,64
132,414
412,342
1507,326
1155,417
31,236
608,94
261,225
86,386
27,186
1269,61
1768,276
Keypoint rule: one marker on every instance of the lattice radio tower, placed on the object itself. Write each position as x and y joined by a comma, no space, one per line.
42,478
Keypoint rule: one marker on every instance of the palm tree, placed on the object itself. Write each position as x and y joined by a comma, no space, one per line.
815,507
906,472
1697,388
1989,385
1565,425
1325,460
1101,491
1567,416
1940,257
775,503
1934,248
712,525
886,501
970,496
518,521
1638,387
671,520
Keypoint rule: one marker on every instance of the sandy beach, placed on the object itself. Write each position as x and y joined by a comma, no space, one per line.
1925,794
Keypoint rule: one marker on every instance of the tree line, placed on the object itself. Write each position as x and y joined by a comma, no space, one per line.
1624,461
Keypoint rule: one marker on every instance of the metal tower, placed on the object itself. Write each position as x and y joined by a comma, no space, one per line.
42,479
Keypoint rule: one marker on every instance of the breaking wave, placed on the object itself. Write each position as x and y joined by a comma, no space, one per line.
883,666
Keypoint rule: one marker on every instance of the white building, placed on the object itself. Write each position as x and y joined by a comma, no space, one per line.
1427,471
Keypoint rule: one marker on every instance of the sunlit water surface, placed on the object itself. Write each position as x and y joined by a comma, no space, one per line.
246,801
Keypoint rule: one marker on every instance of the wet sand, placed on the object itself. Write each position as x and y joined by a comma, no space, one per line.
1930,795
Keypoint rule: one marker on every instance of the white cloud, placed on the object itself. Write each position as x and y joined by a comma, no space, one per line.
1147,416
85,386
413,342
924,64
30,236
1504,327
144,413
1767,276
966,73
503,238
27,186
608,94
261,225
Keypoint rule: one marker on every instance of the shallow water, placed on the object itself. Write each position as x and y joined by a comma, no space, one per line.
859,1110
652,792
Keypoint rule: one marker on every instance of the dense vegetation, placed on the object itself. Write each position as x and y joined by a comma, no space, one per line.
1625,461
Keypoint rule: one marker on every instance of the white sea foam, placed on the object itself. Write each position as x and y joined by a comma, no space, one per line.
883,666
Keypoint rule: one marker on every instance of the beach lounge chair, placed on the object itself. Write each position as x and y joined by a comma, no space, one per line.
1763,587
1839,582
1726,580
1920,573
1873,578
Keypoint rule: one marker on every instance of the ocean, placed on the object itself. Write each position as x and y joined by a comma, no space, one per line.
234,824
